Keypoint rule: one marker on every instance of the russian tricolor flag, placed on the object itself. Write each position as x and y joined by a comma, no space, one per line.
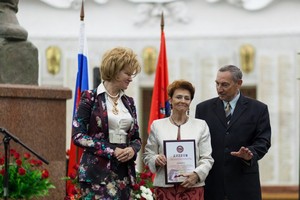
82,83
82,80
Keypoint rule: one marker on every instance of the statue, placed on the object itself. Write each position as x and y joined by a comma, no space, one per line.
18,57
9,25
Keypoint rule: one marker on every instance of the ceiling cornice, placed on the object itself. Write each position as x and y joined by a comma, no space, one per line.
250,5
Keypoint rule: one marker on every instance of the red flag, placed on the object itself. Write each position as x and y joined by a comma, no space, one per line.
82,83
160,106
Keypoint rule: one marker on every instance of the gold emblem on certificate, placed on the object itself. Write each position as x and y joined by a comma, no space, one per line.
181,159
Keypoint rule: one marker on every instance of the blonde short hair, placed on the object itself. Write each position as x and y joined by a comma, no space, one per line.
115,60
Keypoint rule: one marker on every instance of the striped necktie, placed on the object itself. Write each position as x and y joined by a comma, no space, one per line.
228,112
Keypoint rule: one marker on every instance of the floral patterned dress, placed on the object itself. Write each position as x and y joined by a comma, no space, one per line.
101,175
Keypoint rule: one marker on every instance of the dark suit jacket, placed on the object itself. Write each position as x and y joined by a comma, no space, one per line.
249,127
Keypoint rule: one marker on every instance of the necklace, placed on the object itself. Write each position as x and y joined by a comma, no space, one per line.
112,96
115,110
178,125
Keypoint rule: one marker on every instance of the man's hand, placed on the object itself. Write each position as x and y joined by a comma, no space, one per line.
243,153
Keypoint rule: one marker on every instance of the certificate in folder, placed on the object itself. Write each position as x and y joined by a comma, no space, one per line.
181,159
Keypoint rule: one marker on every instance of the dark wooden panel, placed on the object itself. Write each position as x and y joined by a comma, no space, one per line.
249,91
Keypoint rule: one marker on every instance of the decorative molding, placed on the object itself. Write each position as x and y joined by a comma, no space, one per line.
149,59
72,4
250,5
174,10
247,57
53,57
147,10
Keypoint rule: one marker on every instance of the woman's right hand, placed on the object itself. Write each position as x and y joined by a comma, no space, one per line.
161,160
123,155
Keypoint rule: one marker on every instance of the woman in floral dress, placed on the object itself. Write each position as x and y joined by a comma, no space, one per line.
105,125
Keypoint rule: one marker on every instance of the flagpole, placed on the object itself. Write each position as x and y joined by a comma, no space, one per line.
162,21
298,78
82,11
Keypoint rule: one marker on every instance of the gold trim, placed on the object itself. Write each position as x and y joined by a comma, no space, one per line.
247,53
149,59
53,56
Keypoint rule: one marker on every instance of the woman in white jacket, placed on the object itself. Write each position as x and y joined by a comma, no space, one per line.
179,126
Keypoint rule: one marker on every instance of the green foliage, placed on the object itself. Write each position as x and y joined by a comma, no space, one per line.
27,177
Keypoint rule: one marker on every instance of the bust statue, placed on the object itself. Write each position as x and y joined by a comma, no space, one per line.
18,56
9,25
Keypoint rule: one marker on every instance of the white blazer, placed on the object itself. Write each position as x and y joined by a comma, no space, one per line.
163,129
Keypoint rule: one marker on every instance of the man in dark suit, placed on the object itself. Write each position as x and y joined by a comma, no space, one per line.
240,137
